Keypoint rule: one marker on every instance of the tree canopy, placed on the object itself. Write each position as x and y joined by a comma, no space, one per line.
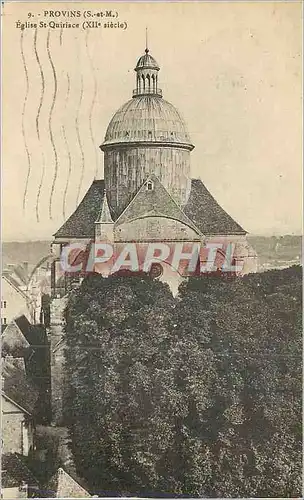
195,396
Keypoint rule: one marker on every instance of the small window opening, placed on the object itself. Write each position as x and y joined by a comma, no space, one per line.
150,186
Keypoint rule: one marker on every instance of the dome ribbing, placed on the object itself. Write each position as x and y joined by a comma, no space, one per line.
147,119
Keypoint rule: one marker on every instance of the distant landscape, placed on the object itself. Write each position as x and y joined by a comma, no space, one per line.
277,252
274,252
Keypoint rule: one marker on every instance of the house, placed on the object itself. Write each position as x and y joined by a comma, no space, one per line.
13,342
14,300
21,292
63,485
19,398
21,339
17,481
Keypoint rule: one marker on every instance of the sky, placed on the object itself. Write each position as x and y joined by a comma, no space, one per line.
233,70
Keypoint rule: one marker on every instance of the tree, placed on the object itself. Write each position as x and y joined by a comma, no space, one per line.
198,396
252,429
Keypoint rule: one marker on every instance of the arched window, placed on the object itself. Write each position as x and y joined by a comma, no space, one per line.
153,83
148,80
150,186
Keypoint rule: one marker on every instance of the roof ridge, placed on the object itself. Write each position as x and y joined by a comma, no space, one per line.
16,287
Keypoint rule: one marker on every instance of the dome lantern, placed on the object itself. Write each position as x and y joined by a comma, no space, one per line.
147,76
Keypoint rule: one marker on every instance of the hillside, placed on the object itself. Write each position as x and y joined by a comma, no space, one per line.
24,251
273,251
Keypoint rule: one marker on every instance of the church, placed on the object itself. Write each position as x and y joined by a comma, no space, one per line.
147,194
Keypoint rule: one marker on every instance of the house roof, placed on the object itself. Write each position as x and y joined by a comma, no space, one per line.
15,472
62,485
202,209
16,385
13,340
207,214
34,334
14,283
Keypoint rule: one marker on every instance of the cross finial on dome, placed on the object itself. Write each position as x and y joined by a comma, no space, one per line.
146,50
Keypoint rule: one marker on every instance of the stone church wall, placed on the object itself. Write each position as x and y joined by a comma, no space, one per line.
154,229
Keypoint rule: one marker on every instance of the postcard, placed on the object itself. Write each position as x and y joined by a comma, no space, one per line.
151,302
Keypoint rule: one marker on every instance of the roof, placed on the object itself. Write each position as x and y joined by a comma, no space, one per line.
202,209
22,273
154,203
16,385
207,214
62,485
146,61
34,334
14,283
13,340
147,118
81,224
15,472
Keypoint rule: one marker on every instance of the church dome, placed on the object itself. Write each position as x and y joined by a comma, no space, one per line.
146,136
147,118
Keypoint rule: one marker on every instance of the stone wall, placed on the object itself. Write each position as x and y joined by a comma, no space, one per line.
13,493
57,358
17,435
154,229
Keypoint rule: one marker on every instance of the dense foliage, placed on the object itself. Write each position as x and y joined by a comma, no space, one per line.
198,396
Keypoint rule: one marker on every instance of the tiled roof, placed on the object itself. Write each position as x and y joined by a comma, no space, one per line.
15,472
16,385
34,334
13,340
14,283
202,209
81,224
25,326
207,214
62,485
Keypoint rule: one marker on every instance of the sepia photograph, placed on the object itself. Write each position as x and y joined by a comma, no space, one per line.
151,291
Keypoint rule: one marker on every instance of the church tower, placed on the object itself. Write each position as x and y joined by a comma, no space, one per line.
147,194
147,135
